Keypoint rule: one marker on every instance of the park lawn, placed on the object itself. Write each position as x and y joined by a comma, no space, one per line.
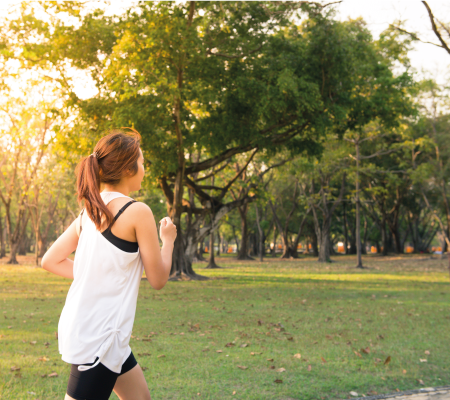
266,313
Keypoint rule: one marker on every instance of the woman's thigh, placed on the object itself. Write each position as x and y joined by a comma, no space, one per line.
132,385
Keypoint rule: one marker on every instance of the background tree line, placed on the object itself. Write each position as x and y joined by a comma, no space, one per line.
261,121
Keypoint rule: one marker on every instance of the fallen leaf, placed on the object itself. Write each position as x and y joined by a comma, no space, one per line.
290,338
278,381
323,359
162,355
143,354
260,322
309,367
205,350
270,359
53,375
427,352
358,354
234,392
423,359
219,351
387,361
43,358
242,367
229,344
404,371
272,367
33,342
281,370
366,350
46,344
377,360
255,353
244,345
354,394
298,355
14,368
420,381
144,368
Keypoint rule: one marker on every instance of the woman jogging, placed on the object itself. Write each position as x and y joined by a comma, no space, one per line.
115,238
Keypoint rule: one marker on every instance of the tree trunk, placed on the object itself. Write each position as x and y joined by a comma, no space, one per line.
345,230
2,237
23,245
274,249
261,234
243,251
212,264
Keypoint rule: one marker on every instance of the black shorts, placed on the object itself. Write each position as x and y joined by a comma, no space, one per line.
96,383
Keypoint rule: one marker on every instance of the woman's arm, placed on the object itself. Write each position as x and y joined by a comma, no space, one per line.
55,259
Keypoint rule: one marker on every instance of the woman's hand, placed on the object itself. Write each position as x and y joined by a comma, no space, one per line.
167,230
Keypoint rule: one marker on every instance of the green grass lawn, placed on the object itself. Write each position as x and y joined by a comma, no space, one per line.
236,335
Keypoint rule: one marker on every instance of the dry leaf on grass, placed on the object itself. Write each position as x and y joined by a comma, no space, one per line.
359,355
244,345
427,352
14,368
323,360
43,358
33,342
309,367
420,381
298,355
219,351
162,355
423,360
230,344
354,394
387,361
281,370
53,375
366,350
253,353
270,359
242,367
278,381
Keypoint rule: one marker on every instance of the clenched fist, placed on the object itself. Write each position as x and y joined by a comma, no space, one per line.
167,230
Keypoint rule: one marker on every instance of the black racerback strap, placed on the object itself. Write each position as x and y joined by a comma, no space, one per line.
120,212
115,218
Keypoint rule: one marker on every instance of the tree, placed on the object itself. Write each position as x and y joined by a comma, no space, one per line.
216,80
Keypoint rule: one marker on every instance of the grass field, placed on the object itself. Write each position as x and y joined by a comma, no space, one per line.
236,335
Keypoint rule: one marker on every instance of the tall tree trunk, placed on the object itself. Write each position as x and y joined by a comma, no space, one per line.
23,245
345,230
261,234
274,249
2,236
243,251
211,264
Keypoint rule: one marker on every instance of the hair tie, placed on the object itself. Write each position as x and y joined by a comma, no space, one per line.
94,154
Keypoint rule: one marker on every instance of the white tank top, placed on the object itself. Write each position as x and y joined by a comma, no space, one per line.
98,316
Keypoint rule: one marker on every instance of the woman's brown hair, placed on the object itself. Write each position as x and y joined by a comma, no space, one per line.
113,155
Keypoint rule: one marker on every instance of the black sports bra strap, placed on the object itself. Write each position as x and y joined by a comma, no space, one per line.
121,211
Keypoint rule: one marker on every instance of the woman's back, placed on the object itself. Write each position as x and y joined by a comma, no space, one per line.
98,316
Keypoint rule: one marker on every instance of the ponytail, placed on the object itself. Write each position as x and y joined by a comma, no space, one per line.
113,154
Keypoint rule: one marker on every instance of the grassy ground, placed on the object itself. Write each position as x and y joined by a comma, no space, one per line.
236,335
